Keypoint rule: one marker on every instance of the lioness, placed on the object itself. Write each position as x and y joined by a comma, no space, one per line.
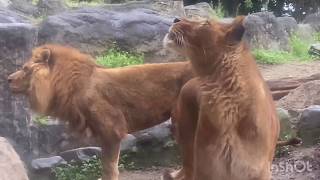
226,121
64,83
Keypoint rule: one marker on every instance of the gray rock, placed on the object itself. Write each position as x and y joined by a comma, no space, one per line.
129,143
93,30
42,164
158,135
17,38
51,7
305,32
315,49
313,20
289,23
202,10
169,8
286,130
81,154
309,126
54,138
11,165
5,3
7,16
263,30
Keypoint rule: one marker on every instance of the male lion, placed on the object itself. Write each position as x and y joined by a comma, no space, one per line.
226,121
64,83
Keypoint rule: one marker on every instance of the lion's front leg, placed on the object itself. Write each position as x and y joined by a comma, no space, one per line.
110,158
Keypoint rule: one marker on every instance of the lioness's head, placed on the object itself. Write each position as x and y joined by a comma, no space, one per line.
186,35
203,39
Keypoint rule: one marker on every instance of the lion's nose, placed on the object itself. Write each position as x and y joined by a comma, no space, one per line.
176,20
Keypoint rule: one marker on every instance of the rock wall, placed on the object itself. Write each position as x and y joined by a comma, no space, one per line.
93,30
17,39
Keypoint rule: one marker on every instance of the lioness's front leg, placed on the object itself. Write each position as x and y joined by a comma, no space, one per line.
184,119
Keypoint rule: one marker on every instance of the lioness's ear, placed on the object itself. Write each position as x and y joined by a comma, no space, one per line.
236,30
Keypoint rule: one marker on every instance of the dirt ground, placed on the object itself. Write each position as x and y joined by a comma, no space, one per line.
296,69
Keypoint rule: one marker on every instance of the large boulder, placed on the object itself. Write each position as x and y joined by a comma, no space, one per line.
24,7
51,7
93,30
264,30
11,167
17,39
313,20
302,97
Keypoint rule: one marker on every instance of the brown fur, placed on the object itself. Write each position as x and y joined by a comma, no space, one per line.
64,83
226,121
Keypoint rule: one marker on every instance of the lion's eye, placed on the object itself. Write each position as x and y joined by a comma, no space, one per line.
25,68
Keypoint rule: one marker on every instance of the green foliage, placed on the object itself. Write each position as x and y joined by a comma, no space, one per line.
117,58
248,4
41,120
35,2
271,57
299,52
88,170
219,11
80,3
317,36
283,151
300,48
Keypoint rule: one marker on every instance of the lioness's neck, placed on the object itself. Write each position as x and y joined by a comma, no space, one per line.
220,64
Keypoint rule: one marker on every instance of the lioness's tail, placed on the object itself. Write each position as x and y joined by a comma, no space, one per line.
293,141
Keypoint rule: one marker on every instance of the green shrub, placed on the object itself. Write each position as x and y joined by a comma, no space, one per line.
299,52
317,36
272,57
117,58
41,120
87,170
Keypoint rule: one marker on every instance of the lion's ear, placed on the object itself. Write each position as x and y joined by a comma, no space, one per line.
45,55
235,32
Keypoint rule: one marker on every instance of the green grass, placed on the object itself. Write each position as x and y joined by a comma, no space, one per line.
299,52
117,58
87,170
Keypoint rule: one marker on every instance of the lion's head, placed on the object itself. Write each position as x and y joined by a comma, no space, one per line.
200,40
33,79
40,78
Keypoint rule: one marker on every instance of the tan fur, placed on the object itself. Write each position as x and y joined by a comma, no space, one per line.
64,83
226,121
